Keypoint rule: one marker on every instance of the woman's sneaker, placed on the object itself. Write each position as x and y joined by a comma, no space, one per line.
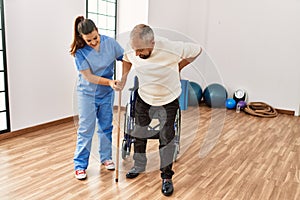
109,164
80,174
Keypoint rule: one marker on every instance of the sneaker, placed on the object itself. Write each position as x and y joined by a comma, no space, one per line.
109,164
80,174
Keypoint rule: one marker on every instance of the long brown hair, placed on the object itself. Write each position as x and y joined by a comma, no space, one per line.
81,26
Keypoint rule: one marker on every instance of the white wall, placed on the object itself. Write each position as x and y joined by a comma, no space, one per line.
40,69
130,13
253,44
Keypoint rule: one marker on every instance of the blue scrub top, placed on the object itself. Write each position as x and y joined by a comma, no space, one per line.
100,63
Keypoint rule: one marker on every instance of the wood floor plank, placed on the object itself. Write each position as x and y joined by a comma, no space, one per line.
223,155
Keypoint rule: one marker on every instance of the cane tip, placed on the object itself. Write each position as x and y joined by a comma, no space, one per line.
116,180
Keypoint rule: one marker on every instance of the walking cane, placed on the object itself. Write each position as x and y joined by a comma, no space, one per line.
118,136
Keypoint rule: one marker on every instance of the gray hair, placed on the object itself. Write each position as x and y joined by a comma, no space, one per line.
143,32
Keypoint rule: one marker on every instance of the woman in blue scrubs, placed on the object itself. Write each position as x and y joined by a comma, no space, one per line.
95,56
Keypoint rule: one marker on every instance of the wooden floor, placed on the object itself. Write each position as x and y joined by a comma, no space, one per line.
224,155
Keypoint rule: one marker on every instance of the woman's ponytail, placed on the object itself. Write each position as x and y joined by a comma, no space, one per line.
78,42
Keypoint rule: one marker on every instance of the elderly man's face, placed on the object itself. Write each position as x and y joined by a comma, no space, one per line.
142,49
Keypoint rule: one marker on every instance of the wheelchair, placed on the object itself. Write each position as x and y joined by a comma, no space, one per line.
153,128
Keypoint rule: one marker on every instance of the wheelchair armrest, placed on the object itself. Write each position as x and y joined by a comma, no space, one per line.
135,84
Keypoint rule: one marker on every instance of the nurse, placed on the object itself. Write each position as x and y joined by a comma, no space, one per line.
94,56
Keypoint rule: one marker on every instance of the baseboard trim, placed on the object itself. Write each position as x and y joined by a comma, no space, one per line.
12,134
35,128
72,118
287,112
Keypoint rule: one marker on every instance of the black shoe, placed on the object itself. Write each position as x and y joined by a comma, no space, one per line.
167,187
133,172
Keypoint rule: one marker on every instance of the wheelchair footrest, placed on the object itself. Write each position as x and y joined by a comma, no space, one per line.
154,135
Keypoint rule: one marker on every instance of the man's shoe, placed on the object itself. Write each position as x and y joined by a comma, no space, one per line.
167,187
133,172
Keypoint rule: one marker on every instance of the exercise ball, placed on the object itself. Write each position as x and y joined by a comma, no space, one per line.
230,103
215,95
194,94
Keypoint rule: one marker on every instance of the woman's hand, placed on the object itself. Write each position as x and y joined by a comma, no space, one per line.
116,85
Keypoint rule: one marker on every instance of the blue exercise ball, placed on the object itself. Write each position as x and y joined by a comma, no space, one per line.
230,103
195,94
215,95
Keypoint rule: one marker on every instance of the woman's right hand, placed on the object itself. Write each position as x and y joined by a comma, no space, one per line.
116,85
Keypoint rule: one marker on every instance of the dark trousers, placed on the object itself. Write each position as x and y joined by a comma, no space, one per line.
166,115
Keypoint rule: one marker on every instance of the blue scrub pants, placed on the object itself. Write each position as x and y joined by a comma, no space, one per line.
91,110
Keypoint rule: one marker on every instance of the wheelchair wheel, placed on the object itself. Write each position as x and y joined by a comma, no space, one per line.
177,127
124,149
176,152
126,144
125,141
